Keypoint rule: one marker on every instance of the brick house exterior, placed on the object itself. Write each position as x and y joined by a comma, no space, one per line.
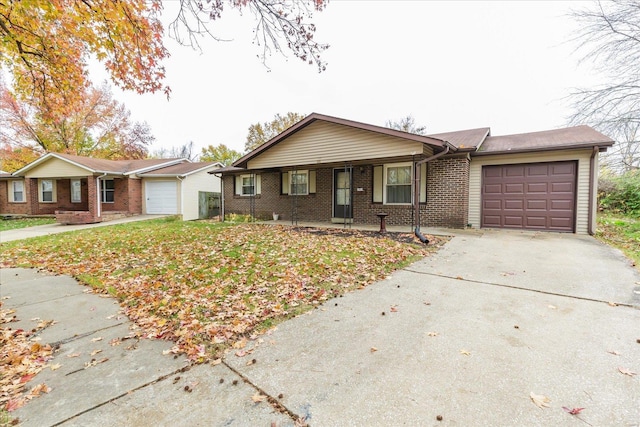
297,175
85,190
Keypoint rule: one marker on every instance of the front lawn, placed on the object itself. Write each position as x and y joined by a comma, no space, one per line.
208,285
13,224
621,232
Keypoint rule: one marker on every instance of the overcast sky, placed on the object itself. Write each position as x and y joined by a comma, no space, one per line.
452,65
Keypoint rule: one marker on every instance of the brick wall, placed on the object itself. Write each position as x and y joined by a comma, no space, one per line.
12,208
135,195
447,198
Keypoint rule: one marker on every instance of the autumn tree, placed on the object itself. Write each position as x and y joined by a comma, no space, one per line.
219,153
96,126
46,45
259,133
609,38
406,124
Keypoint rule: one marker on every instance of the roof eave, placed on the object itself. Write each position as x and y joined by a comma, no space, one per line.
158,166
538,149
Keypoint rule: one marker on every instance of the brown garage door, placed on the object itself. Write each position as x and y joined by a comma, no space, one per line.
537,196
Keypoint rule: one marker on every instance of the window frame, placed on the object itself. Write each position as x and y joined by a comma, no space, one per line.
41,191
104,191
12,191
386,184
304,173
72,193
252,185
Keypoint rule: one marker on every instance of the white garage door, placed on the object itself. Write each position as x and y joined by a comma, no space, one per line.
162,197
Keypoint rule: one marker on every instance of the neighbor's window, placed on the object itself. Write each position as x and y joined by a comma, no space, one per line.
107,190
47,190
248,185
76,194
299,183
17,191
398,184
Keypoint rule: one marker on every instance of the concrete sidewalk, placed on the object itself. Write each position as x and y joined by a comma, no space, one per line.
465,335
44,230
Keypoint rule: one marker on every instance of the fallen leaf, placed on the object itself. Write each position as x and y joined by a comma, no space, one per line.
258,397
540,400
96,339
115,341
432,334
465,352
394,308
55,367
73,355
40,388
96,351
626,371
373,349
26,378
215,362
553,307
612,304
615,353
14,404
573,411
241,353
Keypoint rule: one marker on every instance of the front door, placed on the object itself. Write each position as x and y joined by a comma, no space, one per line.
342,193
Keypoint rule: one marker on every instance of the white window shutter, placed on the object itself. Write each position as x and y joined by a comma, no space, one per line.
285,182
312,182
238,185
378,186
423,183
258,184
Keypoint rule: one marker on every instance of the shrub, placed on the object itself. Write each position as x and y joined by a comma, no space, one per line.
621,194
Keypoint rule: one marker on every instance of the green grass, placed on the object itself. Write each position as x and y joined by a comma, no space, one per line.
622,233
14,224
206,284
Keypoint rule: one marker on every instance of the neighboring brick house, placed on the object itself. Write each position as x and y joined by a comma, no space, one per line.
335,170
84,190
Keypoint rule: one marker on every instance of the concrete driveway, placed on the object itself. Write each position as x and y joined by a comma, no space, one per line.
461,338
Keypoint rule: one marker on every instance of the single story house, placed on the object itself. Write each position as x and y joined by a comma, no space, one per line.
330,169
84,190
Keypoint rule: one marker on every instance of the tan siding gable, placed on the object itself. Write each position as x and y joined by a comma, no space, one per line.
56,168
323,142
582,190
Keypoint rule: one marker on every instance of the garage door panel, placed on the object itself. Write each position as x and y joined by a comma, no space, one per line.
538,170
540,196
537,204
514,171
562,187
517,188
513,221
493,188
537,187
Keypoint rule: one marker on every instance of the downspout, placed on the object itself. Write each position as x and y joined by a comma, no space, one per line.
98,195
181,198
592,177
221,196
416,196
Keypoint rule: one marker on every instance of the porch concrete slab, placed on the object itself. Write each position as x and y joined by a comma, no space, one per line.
561,263
214,400
414,347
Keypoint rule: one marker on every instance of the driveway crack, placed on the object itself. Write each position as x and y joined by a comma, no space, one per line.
521,288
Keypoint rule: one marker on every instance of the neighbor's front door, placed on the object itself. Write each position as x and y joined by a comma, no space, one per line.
342,193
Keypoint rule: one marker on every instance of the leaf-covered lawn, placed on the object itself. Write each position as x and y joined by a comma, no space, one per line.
622,233
13,224
208,285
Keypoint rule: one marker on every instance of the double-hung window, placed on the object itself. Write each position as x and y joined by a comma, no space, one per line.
17,191
398,184
299,183
107,190
47,191
76,193
248,185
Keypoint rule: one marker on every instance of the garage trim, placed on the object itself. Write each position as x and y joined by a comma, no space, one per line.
583,157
